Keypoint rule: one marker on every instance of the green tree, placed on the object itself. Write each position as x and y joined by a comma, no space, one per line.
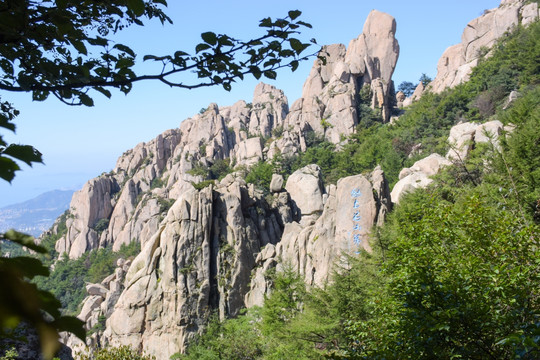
424,79
407,88
114,353
22,300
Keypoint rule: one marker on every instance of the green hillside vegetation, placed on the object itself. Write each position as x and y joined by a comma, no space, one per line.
67,281
455,272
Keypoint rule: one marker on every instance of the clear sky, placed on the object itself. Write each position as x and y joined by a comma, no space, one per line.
80,143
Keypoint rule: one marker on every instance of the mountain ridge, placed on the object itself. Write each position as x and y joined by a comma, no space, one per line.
36,215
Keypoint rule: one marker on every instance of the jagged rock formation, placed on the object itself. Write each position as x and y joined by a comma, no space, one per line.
97,306
457,62
214,248
130,202
132,199
199,260
330,95
210,249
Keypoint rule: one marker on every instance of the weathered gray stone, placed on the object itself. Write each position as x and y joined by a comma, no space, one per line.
277,183
96,289
461,140
306,189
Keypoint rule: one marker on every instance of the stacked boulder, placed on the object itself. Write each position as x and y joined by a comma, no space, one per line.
329,222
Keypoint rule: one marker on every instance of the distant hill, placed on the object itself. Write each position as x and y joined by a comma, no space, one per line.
35,215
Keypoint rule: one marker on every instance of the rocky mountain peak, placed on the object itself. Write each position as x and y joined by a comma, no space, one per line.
330,95
457,62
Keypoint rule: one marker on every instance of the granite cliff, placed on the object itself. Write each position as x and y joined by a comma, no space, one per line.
480,34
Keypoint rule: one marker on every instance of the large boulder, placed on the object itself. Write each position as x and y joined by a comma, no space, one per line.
306,189
313,249
418,175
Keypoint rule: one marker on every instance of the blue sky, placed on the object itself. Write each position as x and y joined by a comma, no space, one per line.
81,143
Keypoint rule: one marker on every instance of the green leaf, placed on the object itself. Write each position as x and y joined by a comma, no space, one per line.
209,37
6,124
137,6
104,91
304,24
201,47
294,65
255,71
98,41
225,40
125,49
25,153
79,46
25,266
71,324
8,168
24,240
293,14
179,54
86,100
266,22
150,57
270,74
297,45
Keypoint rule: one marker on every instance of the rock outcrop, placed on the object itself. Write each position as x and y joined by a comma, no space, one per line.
198,261
129,202
330,95
462,139
215,248
315,243
97,306
418,175
457,62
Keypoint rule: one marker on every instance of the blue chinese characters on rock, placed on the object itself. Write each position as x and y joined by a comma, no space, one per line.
356,236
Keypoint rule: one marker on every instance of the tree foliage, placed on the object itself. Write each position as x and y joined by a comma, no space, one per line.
22,300
407,88
114,353
66,49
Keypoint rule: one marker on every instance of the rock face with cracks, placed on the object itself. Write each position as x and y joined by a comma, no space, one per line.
457,62
214,249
